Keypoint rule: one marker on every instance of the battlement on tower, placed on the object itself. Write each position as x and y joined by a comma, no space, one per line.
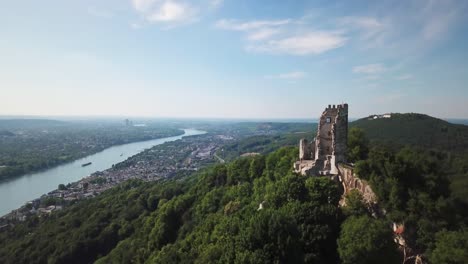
339,106
328,149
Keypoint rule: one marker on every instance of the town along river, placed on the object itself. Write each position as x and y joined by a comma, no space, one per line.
16,192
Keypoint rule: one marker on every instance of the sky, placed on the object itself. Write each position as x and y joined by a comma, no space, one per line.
233,58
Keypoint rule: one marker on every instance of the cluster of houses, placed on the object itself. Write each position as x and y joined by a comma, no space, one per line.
163,161
373,117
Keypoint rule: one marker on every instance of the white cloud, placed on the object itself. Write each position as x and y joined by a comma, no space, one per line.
171,13
289,75
302,44
369,68
285,36
369,23
403,29
231,24
370,30
262,34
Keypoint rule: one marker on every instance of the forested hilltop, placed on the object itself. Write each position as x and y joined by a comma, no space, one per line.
417,130
256,210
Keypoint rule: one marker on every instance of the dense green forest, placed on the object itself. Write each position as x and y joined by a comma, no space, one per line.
212,216
256,210
417,130
263,144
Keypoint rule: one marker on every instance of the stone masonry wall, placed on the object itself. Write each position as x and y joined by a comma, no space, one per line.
351,182
304,150
340,134
329,146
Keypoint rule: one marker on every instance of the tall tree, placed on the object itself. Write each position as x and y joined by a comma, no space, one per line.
366,240
358,145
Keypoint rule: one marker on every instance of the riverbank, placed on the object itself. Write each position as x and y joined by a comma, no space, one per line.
17,192
175,158
31,150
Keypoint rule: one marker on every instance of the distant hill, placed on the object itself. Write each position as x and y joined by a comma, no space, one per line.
458,121
29,123
415,129
6,133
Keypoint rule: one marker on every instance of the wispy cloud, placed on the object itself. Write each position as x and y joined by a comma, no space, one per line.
255,30
284,36
172,13
404,77
262,34
371,31
409,28
314,42
289,75
438,17
404,29
232,24
372,69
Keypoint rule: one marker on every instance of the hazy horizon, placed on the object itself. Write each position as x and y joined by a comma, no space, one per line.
463,121
224,59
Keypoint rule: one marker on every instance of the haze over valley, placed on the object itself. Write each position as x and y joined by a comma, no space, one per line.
219,131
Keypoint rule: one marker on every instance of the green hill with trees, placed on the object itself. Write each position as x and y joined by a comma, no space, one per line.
417,130
252,210
256,210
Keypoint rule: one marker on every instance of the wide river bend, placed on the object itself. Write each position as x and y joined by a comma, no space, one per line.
17,191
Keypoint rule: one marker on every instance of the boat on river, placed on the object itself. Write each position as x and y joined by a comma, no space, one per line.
86,164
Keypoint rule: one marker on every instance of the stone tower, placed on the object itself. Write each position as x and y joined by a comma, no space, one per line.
329,147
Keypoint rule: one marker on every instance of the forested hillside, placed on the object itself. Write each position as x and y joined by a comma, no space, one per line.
256,210
253,210
263,144
416,129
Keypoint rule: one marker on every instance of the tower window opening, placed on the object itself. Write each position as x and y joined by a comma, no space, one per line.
328,119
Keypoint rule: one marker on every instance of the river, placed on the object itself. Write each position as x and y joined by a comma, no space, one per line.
17,191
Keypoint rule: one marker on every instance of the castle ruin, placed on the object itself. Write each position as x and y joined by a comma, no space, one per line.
328,149
326,154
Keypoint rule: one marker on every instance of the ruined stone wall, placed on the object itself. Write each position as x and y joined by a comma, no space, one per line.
340,133
330,145
324,139
304,150
351,182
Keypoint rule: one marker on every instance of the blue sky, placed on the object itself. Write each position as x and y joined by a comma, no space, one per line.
233,59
